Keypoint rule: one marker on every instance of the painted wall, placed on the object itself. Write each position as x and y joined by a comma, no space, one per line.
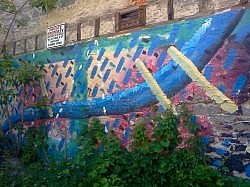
100,79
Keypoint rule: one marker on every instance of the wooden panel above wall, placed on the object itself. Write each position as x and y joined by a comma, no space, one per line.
131,18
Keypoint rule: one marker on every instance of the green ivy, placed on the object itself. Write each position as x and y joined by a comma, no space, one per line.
151,159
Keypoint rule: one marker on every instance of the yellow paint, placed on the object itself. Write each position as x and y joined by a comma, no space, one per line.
187,65
155,88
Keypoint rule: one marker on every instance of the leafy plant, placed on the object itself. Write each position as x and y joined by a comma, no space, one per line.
153,159
13,11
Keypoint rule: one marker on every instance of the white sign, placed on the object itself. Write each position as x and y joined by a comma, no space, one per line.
56,36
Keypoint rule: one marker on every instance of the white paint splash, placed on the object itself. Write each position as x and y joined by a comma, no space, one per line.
96,43
104,110
106,129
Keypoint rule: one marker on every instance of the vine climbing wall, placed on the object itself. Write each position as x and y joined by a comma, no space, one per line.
99,78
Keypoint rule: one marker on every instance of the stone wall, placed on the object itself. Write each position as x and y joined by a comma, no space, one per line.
86,12
96,76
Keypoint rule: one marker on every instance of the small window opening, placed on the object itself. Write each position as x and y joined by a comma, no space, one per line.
131,18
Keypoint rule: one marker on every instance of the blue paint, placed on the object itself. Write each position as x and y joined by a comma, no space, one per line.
216,163
222,88
134,40
53,96
148,114
183,93
138,52
161,59
94,71
116,122
77,74
101,54
20,90
154,43
73,90
19,104
118,50
88,63
239,84
206,140
208,72
48,126
59,79
29,92
226,142
247,170
60,146
106,75
47,85
91,47
180,43
220,151
65,63
127,76
141,96
243,29
119,67
111,86
174,33
54,71
126,135
131,116
193,119
95,91
107,124
68,72
138,75
83,88
232,53
64,89
52,148
104,64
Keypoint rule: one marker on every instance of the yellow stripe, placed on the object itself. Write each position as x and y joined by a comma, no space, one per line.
155,88
187,65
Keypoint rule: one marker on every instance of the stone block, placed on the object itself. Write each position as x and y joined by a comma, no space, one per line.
20,47
185,8
200,109
31,44
41,41
87,29
107,25
9,48
213,109
156,12
225,3
71,34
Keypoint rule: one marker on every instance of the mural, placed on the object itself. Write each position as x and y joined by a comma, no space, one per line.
102,78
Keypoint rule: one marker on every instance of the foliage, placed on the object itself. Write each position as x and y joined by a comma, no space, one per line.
16,76
153,159
12,15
